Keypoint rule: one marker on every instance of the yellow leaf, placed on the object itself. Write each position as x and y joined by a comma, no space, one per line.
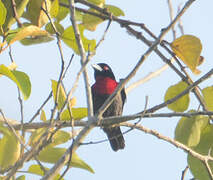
12,66
43,116
36,169
28,31
54,8
188,49
79,113
9,148
73,102
23,33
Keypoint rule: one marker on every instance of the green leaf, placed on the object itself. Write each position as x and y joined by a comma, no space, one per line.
69,39
36,135
188,130
61,94
36,14
63,11
99,3
20,78
91,22
208,97
3,13
43,116
114,10
60,137
52,155
54,8
197,168
24,81
20,7
9,148
65,115
182,103
36,40
22,177
77,114
58,27
36,169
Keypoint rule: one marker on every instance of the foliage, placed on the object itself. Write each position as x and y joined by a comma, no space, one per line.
41,22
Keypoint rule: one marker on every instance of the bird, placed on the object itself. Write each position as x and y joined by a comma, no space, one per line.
105,84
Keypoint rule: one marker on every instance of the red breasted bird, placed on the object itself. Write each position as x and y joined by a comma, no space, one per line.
104,86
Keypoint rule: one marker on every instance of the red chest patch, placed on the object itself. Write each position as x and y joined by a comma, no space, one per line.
104,85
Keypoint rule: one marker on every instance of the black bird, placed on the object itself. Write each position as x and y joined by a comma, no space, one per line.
104,86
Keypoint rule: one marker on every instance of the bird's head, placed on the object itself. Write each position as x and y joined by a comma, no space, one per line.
103,70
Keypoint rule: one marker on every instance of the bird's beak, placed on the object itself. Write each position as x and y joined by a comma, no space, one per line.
97,67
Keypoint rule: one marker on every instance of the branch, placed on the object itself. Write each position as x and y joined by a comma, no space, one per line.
184,172
106,121
203,158
15,14
147,77
92,121
171,13
83,56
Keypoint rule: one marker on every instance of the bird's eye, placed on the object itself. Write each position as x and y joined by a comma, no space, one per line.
106,68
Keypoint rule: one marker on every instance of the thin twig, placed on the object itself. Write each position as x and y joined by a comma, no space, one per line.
104,35
15,14
10,54
180,24
12,129
65,72
184,172
147,77
41,107
171,141
171,13
83,56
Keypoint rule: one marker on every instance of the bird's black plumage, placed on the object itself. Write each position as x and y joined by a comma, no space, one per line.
104,86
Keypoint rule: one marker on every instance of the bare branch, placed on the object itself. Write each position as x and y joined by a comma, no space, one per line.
15,14
184,172
41,107
107,121
177,144
171,13
83,56
147,77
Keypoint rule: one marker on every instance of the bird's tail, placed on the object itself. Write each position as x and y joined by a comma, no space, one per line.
115,137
